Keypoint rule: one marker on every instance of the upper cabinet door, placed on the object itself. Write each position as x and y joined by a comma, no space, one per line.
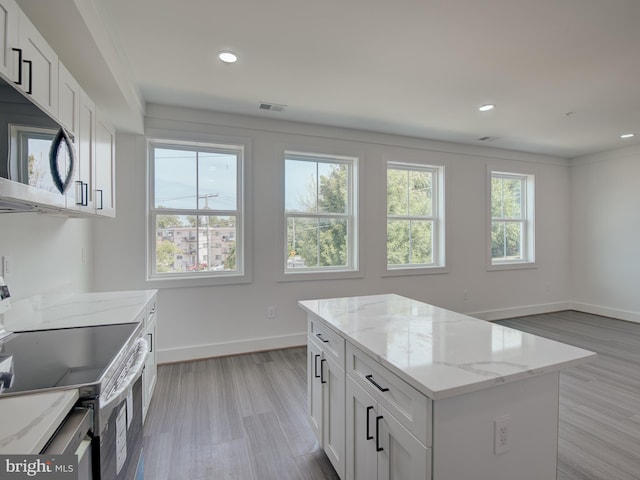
9,20
68,100
105,171
39,67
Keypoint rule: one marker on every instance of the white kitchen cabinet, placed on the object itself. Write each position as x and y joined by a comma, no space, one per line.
68,100
80,196
325,397
105,173
150,372
9,22
38,73
378,445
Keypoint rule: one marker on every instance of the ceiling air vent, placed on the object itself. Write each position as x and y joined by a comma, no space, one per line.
274,107
487,139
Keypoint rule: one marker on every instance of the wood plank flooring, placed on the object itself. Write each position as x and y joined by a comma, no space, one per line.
240,417
244,417
599,432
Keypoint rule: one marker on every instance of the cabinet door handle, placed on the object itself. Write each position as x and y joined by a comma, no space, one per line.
101,207
85,194
30,63
376,384
79,192
315,366
319,335
369,436
19,50
378,447
322,380
150,342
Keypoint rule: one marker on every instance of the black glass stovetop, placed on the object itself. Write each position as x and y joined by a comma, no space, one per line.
52,359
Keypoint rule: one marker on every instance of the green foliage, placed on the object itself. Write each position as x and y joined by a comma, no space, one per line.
230,262
165,255
506,213
168,221
322,242
409,195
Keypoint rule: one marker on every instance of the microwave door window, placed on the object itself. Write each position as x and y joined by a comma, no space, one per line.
30,158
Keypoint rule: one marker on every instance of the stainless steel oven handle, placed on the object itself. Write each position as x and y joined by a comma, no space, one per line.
114,398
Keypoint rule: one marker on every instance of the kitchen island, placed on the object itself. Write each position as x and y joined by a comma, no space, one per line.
399,389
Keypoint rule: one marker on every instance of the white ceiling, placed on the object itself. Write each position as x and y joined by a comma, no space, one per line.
564,74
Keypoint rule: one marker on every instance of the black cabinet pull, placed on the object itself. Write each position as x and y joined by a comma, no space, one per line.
378,447
377,385
315,366
79,192
369,436
30,89
101,207
322,380
319,335
85,194
19,50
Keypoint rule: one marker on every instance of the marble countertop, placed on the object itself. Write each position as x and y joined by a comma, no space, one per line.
76,310
28,421
439,352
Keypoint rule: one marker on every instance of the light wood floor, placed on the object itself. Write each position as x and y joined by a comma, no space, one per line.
243,417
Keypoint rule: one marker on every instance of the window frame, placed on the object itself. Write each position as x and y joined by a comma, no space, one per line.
527,219
439,237
352,269
242,274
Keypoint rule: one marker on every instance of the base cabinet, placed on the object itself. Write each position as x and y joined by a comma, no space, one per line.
325,397
378,445
150,372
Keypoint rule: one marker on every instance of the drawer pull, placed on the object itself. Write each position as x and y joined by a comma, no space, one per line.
319,335
322,380
378,447
376,384
315,366
369,436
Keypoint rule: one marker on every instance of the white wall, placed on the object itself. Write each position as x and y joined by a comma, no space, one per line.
47,253
605,234
203,321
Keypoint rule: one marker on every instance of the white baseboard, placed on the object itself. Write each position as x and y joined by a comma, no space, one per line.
512,312
606,311
196,352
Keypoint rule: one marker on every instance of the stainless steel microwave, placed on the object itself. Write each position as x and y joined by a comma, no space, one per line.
37,155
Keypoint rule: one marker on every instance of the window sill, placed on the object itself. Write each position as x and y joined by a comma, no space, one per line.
512,266
409,271
302,276
204,281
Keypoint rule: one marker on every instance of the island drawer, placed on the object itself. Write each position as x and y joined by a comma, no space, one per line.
329,342
410,407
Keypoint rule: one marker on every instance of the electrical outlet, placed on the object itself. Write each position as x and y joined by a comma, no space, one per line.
501,435
271,312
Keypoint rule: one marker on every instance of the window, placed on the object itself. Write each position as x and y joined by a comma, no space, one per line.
195,205
512,229
319,213
415,233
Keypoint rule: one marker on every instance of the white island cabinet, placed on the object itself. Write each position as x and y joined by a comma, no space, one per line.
430,394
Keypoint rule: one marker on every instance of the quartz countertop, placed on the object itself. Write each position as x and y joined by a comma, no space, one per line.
76,310
440,352
28,421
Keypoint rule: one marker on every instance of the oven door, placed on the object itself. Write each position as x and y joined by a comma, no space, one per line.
119,447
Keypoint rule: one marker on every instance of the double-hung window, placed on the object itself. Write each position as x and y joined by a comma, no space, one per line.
320,213
196,213
512,219
415,220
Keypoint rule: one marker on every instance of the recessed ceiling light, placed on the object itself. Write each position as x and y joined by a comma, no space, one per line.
627,135
227,56
486,107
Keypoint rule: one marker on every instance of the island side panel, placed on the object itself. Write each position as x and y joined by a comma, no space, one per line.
463,432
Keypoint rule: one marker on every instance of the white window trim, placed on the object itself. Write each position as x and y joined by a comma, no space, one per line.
439,265
243,234
529,253
353,159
